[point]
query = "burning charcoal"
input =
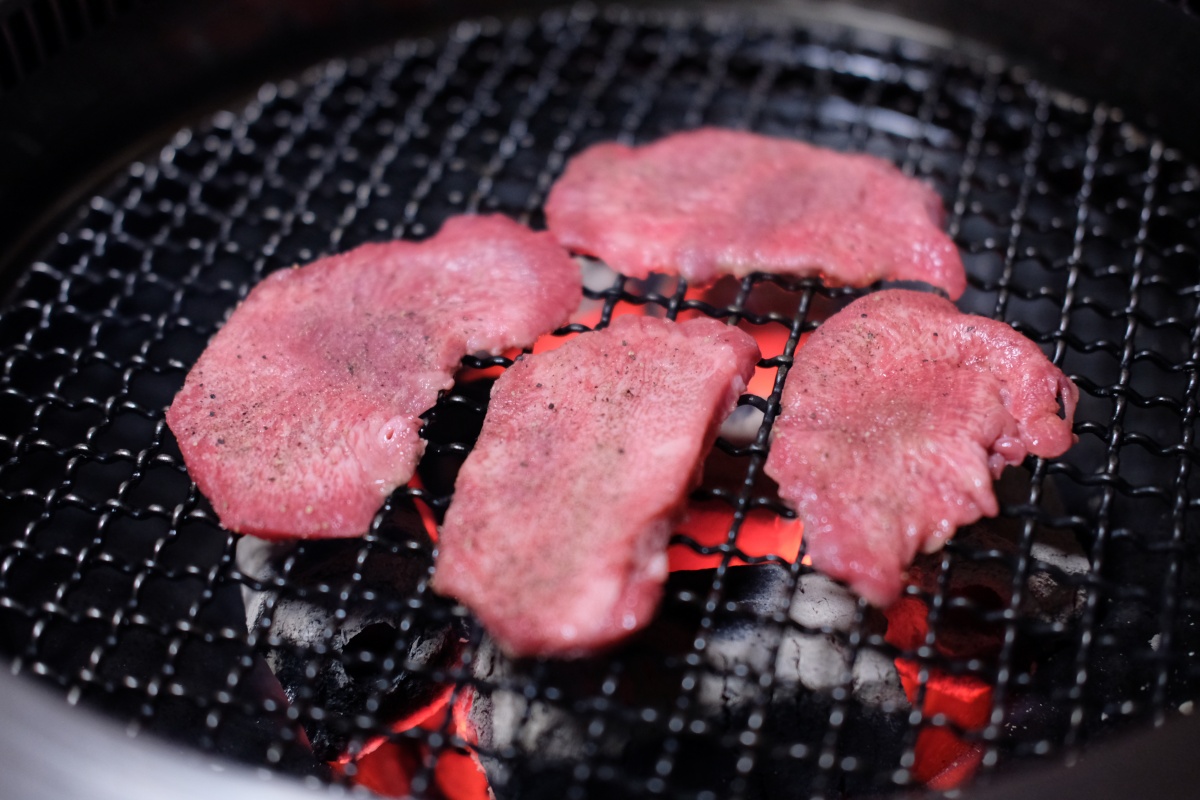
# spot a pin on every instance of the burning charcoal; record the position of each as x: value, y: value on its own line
x: 813, y: 656
x: 1056, y: 600
x: 516, y: 733
x: 1051, y: 595
x: 531, y: 745
x: 820, y: 661
x: 356, y: 644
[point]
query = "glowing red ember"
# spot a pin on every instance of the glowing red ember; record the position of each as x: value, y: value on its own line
x: 707, y: 523
x: 943, y: 758
x: 389, y: 769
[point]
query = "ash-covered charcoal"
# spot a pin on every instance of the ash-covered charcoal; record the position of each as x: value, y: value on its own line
x: 604, y: 722
x: 810, y: 651
x: 357, y: 642
x: 1055, y: 586
x: 530, y: 744
x: 527, y: 745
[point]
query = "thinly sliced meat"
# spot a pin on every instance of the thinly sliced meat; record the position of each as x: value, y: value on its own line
x: 717, y: 202
x: 557, y: 534
x: 302, y: 415
x: 897, y: 414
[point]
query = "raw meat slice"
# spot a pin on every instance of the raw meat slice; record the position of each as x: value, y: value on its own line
x: 557, y: 534
x: 897, y: 414
x: 302, y: 415
x: 717, y: 202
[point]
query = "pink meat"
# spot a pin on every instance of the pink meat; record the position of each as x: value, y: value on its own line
x: 301, y: 416
x: 558, y: 531
x: 897, y: 415
x: 717, y: 202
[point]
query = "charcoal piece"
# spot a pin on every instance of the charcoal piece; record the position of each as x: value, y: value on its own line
x: 1055, y: 586
x: 810, y: 649
x: 542, y: 726
x: 526, y: 745
x: 356, y: 640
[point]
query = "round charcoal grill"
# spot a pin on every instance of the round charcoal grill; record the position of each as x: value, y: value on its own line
x: 1069, y: 621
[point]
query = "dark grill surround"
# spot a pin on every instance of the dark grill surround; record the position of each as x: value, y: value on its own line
x: 117, y: 584
x: 33, y: 31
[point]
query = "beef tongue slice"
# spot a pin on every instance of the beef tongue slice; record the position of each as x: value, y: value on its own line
x: 897, y: 415
x: 302, y: 415
x: 715, y: 202
x: 556, y: 537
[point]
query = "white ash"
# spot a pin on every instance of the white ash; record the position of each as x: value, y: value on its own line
x: 741, y: 427
x: 597, y: 276
x: 508, y: 723
x: 537, y: 721
x: 812, y: 654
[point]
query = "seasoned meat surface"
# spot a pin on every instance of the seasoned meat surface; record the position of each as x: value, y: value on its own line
x: 897, y: 415
x: 302, y: 414
x: 556, y: 537
x: 717, y: 202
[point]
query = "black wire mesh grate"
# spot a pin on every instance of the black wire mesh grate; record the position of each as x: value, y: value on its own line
x: 117, y: 584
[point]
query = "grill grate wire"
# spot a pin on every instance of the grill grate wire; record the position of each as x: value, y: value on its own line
x: 117, y: 584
